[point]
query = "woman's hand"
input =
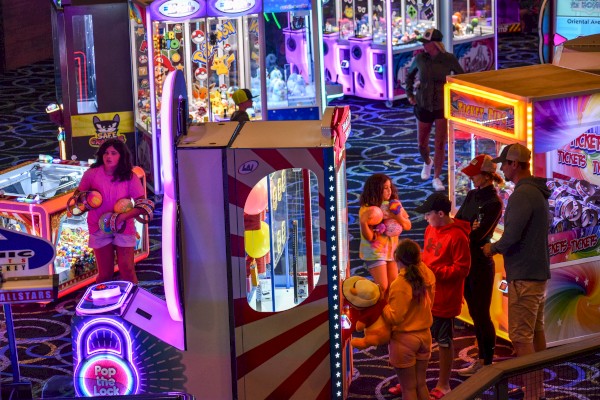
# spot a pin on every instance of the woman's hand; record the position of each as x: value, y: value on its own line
x: 412, y: 100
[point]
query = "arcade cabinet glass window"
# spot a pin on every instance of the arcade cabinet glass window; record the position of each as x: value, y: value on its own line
x: 85, y: 64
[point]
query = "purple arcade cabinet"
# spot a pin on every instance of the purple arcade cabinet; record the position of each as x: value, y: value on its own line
x: 369, y: 44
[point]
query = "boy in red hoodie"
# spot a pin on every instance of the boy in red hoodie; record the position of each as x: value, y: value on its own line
x: 446, y: 253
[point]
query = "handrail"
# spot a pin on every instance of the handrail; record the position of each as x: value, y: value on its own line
x: 497, y: 374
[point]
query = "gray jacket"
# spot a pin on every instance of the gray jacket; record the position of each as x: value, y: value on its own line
x: 524, y: 243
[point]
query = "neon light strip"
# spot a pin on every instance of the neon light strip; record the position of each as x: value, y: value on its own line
x: 169, y: 218
x: 123, y: 330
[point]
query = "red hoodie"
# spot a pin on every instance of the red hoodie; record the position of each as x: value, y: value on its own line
x: 446, y: 253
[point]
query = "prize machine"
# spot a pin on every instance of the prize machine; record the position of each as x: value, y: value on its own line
x: 93, y: 79
x: 472, y: 27
x: 554, y: 112
x: 254, y: 249
x: 34, y: 199
x: 565, y: 20
x: 263, y: 237
x: 368, y: 45
x: 221, y: 47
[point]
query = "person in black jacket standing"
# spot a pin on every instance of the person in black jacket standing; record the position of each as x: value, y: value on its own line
x: 482, y: 208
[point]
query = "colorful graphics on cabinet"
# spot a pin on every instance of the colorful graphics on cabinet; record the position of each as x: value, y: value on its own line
x: 477, y: 55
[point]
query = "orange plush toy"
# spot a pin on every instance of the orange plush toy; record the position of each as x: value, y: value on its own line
x: 366, y: 302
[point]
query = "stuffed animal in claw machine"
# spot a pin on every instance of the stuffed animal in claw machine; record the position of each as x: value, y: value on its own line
x: 366, y: 306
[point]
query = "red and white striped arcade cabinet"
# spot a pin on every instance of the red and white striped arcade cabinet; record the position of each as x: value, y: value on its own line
x: 254, y: 251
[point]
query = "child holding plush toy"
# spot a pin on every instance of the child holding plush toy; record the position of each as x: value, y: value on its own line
x: 376, y: 246
x: 408, y: 312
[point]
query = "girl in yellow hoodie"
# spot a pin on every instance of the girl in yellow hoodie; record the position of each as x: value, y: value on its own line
x: 409, y: 313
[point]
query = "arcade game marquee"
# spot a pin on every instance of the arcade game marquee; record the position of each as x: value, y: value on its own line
x: 240, y: 327
x: 555, y: 112
x: 269, y: 47
x: 33, y: 200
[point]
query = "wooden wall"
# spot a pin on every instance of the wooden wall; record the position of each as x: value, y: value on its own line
x: 25, y: 33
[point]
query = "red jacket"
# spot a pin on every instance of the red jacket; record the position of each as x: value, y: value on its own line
x: 446, y: 253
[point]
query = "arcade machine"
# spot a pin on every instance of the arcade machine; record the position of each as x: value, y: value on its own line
x: 473, y: 32
x: 33, y: 200
x: 509, y: 16
x: 565, y: 20
x: 93, y: 79
x: 369, y: 44
x: 267, y: 47
x: 554, y: 112
x: 235, y: 333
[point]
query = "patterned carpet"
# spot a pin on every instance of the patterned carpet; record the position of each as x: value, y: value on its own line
x: 382, y: 139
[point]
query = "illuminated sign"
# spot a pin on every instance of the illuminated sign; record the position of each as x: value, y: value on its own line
x: 103, y: 360
x: 482, y: 111
x: 24, y: 255
x: 576, y: 18
x: 105, y: 375
x: 178, y: 8
x: 27, y: 296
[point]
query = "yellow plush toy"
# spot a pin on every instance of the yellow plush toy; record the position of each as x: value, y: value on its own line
x: 366, y: 301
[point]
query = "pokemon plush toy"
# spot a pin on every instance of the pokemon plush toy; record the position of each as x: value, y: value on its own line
x: 366, y: 302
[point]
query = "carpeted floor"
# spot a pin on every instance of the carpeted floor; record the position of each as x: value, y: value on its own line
x: 382, y: 139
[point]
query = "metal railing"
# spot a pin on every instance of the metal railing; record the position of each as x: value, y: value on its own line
x: 494, y: 381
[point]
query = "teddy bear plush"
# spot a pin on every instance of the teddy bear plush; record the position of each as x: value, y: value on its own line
x: 366, y: 303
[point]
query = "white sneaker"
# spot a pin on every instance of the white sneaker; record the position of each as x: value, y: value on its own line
x: 438, y: 185
x: 426, y: 171
x: 471, y: 369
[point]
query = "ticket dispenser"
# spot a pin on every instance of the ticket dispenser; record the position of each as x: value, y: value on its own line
x: 112, y: 321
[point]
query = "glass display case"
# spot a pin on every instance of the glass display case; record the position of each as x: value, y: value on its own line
x: 221, y: 47
x: 33, y: 200
x: 474, y: 38
x: 369, y: 44
x: 552, y: 111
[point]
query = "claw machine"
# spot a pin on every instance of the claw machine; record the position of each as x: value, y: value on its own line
x: 222, y: 46
x: 554, y: 112
x: 368, y: 45
x: 255, y: 233
x: 93, y: 78
x: 33, y: 200
x: 471, y: 26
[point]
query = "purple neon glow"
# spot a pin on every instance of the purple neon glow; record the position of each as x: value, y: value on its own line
x: 169, y: 218
x: 177, y: 11
x: 81, y: 366
x: 154, y: 134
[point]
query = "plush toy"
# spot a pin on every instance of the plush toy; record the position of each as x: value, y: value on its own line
x: 366, y: 302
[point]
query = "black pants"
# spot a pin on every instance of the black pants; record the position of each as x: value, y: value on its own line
x: 478, y: 294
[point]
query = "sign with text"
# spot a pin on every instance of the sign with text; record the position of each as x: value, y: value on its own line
x: 24, y: 274
x: 482, y: 111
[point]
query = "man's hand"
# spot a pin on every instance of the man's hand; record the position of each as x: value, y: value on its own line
x: 487, y: 249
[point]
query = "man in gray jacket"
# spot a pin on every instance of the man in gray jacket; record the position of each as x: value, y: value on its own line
x: 524, y: 245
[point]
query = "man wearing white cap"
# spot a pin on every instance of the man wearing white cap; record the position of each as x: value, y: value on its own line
x: 524, y: 245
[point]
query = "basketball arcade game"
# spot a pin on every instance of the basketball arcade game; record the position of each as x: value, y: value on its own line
x: 218, y: 47
x: 554, y: 112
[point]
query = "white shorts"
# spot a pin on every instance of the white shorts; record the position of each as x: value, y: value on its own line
x: 100, y: 239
